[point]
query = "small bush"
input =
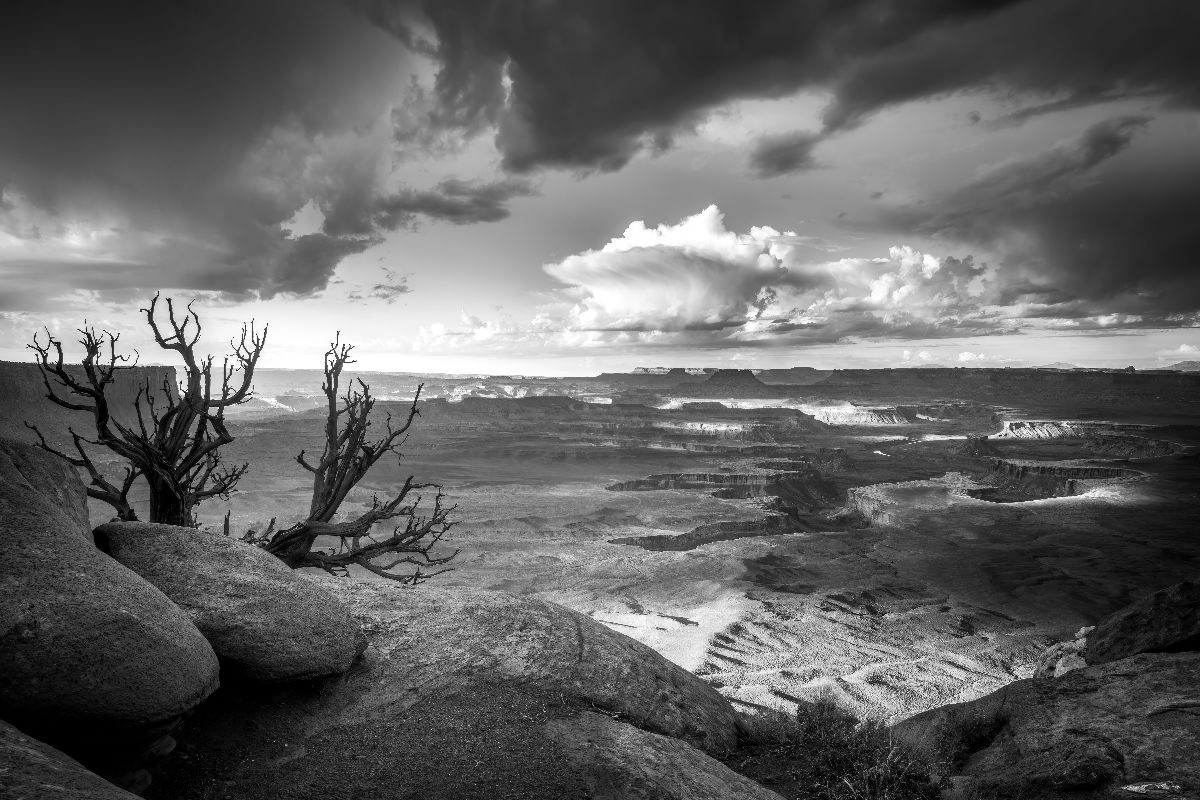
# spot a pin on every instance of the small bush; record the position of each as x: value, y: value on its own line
x: 824, y: 753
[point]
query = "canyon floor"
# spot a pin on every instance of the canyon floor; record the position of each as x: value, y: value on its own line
x: 793, y: 542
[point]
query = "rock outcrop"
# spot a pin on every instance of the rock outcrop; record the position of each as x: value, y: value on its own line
x: 1166, y: 621
x: 23, y: 398
x: 87, y: 648
x: 430, y: 639
x: 1094, y: 729
x: 1064, y: 657
x: 854, y: 415
x: 41, y: 493
x: 455, y: 692
x: 35, y: 771
x: 260, y: 617
x: 621, y: 762
x: 734, y: 377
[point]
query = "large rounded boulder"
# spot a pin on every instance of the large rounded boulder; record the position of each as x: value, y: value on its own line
x: 618, y: 761
x: 429, y: 639
x: 87, y: 648
x: 459, y: 695
x: 39, y: 772
x: 262, y: 620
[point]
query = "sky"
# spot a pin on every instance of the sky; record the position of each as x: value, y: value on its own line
x: 564, y: 187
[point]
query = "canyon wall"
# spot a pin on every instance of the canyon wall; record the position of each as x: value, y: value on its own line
x: 1017, y: 383
x: 23, y: 399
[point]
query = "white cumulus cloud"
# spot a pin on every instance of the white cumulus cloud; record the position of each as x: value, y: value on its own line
x: 693, y: 275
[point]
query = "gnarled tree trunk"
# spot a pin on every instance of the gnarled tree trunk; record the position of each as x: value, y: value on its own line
x: 175, y: 444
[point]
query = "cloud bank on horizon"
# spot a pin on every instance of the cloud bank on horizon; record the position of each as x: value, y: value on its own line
x: 154, y: 146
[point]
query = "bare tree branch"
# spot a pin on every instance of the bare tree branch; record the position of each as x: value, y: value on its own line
x: 347, y: 456
x: 174, y: 440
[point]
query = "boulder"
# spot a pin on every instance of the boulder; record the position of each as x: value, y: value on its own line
x: 41, y: 491
x: 429, y: 639
x: 37, y: 771
x: 88, y: 649
x: 1166, y: 621
x: 1094, y: 729
x: 620, y: 762
x: 262, y: 620
x: 451, y: 699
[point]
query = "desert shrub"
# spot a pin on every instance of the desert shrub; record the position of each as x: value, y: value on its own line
x: 823, y: 752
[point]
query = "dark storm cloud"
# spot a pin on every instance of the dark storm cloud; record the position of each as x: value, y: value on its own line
x: 592, y: 83
x: 306, y: 263
x: 1074, y: 51
x: 1082, y: 230
x: 181, y: 137
x: 455, y: 201
x: 783, y: 154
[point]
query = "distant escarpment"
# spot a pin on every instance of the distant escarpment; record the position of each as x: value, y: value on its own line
x: 574, y: 430
x: 23, y: 398
x: 1060, y: 429
x: 729, y: 383
x: 1097, y: 391
x: 1016, y: 481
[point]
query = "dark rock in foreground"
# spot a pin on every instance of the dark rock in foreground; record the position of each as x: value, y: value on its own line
x: 261, y: 618
x: 1166, y: 621
x: 621, y: 762
x: 35, y: 771
x: 452, y: 699
x: 1094, y: 729
x: 433, y: 639
x: 89, y: 649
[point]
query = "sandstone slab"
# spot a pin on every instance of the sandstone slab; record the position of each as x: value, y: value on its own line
x: 41, y: 490
x: 35, y: 771
x: 87, y: 647
x: 260, y: 617
x: 1095, y: 729
x: 1166, y: 621
x: 451, y: 700
x: 620, y: 762
x: 429, y: 639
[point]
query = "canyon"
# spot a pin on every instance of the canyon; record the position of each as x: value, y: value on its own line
x: 893, y: 540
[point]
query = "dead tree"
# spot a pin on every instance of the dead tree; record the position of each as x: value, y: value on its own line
x: 404, y: 553
x: 175, y: 444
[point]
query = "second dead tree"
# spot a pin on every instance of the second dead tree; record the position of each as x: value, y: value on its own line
x: 401, y: 554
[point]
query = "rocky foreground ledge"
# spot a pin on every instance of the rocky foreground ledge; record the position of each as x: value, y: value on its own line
x: 113, y: 644
x: 111, y: 657
x: 1114, y: 713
